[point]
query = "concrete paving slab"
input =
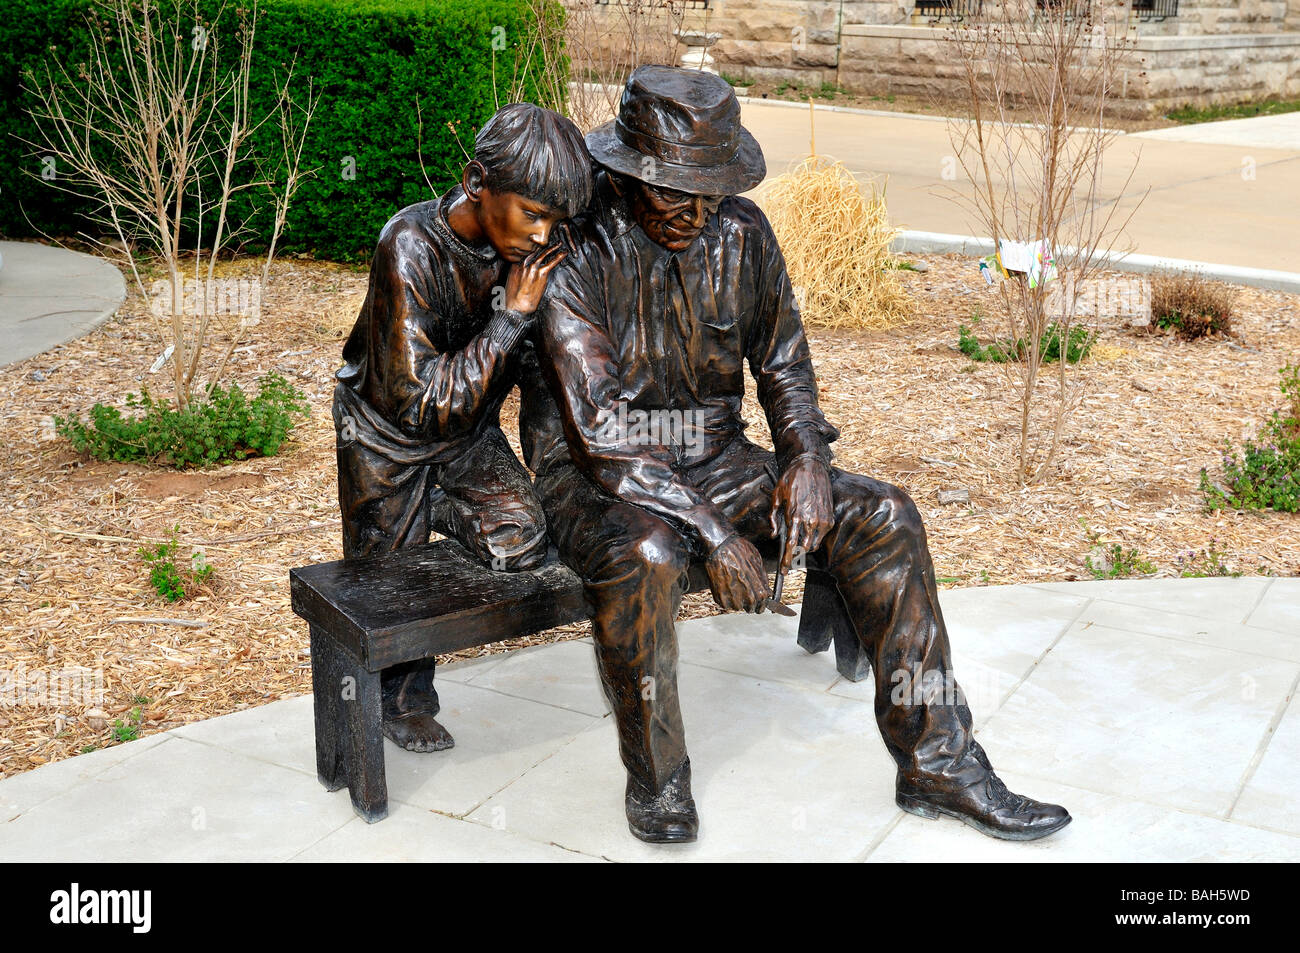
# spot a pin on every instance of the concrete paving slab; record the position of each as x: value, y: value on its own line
x: 49, y: 295
x: 498, y: 738
x: 1225, y: 599
x: 1105, y: 828
x: 777, y: 773
x: 424, y: 837
x: 24, y: 791
x: 998, y: 633
x: 563, y: 675
x: 1259, y: 132
x: 1193, y: 628
x: 179, y: 801
x: 1160, y: 720
x: 1279, y: 609
x: 765, y: 647
x: 1170, y: 744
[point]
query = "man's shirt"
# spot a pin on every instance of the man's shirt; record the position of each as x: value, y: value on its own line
x: 425, y: 366
x: 629, y: 329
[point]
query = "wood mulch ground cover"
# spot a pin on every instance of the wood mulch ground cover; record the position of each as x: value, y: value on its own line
x: 911, y: 408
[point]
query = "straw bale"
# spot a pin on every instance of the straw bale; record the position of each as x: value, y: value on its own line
x: 836, y: 242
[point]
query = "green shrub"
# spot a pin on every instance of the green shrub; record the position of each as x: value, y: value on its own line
x: 1266, y: 475
x: 1114, y: 562
x: 1204, y: 563
x: 370, y: 60
x: 128, y: 730
x: 1079, y: 342
x: 224, y: 427
x: 169, y: 580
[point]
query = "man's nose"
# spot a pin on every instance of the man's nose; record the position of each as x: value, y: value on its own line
x: 540, y: 235
x: 695, y: 212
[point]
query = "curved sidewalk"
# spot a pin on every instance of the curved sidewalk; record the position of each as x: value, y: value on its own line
x: 1229, y: 196
x: 1160, y: 712
x: 49, y: 295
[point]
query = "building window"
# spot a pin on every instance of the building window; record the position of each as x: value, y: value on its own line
x: 1155, y: 9
x: 1070, y: 8
x: 954, y: 10
x: 650, y: 7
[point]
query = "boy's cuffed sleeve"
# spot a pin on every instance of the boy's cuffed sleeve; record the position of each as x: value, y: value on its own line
x: 433, y: 395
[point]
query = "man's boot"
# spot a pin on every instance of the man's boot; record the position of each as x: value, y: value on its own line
x: 665, y: 817
x: 985, y: 805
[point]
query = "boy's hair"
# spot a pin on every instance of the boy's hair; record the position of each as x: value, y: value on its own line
x: 538, y: 154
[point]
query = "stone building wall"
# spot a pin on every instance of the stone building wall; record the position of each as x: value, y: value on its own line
x: 1219, y: 17
x: 1214, y: 51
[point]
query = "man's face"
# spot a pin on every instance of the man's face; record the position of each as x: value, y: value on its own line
x: 671, y: 218
x: 515, y: 226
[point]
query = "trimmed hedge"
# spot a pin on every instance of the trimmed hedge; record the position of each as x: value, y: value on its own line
x: 369, y: 59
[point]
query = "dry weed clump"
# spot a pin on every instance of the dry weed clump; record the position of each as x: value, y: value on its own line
x: 836, y: 244
x: 1191, y: 304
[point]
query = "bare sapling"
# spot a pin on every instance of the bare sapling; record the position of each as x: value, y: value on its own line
x: 148, y: 140
x: 1038, y: 180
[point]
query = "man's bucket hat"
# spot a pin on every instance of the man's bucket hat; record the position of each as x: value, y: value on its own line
x: 680, y: 129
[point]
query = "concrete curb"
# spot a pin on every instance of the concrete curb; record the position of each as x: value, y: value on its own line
x: 940, y: 243
x: 885, y: 113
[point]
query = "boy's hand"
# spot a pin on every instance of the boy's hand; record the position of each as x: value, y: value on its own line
x: 526, y: 282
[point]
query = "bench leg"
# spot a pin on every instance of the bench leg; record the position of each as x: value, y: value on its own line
x: 349, y: 735
x: 824, y: 620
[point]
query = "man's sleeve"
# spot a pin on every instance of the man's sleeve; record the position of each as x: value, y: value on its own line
x: 581, y: 366
x: 780, y: 362
x: 433, y: 395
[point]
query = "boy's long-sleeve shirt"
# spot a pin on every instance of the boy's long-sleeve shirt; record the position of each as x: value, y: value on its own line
x: 428, y: 357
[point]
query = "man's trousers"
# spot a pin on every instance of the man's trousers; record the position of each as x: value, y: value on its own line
x: 633, y: 565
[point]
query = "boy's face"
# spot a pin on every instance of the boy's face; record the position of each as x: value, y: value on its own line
x: 515, y: 226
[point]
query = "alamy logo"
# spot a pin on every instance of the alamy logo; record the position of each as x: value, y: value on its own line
x: 634, y: 427
x: 103, y: 906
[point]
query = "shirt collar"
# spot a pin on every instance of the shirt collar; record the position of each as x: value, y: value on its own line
x: 458, y: 245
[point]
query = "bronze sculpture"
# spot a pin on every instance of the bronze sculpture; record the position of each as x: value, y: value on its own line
x: 454, y: 284
x: 672, y: 283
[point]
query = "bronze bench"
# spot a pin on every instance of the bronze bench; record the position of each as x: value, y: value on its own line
x: 368, y: 614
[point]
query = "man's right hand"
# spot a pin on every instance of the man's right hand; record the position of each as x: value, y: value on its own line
x: 526, y: 282
x: 737, y: 577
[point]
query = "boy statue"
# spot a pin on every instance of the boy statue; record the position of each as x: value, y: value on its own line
x: 454, y: 285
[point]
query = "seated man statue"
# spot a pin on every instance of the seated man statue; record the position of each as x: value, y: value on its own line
x: 435, y: 350
x: 672, y: 285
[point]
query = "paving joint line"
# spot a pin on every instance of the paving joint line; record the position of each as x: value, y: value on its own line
x: 1262, y: 747
x: 1262, y: 593
x: 1042, y: 655
x: 880, y: 836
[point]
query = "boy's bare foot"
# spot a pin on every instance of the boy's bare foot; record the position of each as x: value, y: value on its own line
x: 418, y: 731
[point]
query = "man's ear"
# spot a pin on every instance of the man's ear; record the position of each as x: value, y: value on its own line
x: 618, y: 184
x: 472, y: 180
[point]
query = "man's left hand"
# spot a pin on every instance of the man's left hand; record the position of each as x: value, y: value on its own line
x: 803, y: 501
